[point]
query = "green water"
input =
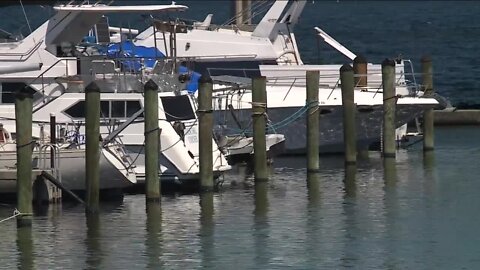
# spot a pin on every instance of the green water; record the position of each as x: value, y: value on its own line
x: 418, y: 214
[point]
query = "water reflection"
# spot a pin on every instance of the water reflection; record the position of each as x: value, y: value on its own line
x: 261, y: 226
x: 390, y: 213
x: 429, y: 160
x: 92, y: 242
x: 25, y: 248
x: 349, y: 258
x: 313, y: 188
x: 350, y: 186
x: 207, y: 228
x: 153, y: 239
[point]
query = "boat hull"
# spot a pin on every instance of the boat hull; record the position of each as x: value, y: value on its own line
x: 72, y: 168
x: 368, y: 118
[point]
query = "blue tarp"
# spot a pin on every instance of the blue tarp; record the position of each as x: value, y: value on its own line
x: 128, y: 49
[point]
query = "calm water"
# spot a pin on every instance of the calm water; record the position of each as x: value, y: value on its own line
x: 419, y: 214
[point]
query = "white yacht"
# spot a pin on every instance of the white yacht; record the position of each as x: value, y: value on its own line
x: 270, y: 49
x: 68, y: 163
x: 50, y: 62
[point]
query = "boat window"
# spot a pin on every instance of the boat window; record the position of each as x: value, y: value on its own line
x: 104, y: 109
x: 77, y: 110
x: 108, y: 109
x: 177, y: 108
x: 133, y: 107
x: 8, y: 91
x: 118, y: 109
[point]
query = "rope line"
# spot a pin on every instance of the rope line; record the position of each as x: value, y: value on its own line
x: 16, y: 213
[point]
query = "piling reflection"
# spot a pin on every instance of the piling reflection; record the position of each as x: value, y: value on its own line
x: 389, y: 173
x: 153, y: 239
x: 92, y: 242
x: 25, y: 248
x: 350, y: 186
x: 313, y: 228
x: 349, y: 258
x: 261, y: 226
x: 207, y: 228
x: 429, y: 160
x: 390, y: 179
x: 313, y: 189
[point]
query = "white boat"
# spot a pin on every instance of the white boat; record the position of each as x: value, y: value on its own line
x: 239, y: 148
x: 68, y: 164
x: 65, y: 70
x: 270, y: 49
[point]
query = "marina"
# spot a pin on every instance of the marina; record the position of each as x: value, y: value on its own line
x: 182, y: 143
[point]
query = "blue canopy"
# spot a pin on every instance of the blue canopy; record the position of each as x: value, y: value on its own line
x: 127, y: 49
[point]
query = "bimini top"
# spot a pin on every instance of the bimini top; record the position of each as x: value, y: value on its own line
x: 120, y: 9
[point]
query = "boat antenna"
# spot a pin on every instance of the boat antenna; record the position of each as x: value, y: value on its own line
x: 26, y: 18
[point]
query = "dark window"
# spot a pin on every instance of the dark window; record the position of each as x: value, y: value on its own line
x: 8, y: 91
x: 177, y: 108
x: 104, y: 109
x: 132, y: 107
x: 118, y: 109
x: 77, y: 110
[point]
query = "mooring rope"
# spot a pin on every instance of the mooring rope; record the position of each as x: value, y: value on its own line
x: 16, y: 213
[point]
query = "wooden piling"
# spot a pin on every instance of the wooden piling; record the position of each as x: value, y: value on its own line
x: 349, y: 111
x: 23, y: 122
x: 427, y: 82
x: 389, y: 108
x: 152, y: 138
x: 92, y: 132
x: 360, y: 71
x: 53, y: 138
x: 313, y: 116
x: 259, y: 108
x: 205, y: 119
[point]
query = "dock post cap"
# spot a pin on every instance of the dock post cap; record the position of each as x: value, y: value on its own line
x: 360, y: 59
x: 426, y: 58
x: 388, y: 62
x: 24, y: 92
x: 346, y: 68
x: 205, y: 79
x: 150, y: 85
x: 92, y: 87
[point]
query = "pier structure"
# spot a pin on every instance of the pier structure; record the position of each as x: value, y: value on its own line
x: 349, y: 108
x: 92, y: 159
x: 313, y: 118
x: 205, y: 119
x: 389, y: 109
x: 259, y: 109
x: 152, y: 140
x: 428, y: 116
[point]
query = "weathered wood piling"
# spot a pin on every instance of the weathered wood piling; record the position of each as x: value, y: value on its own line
x: 92, y: 144
x: 23, y: 122
x: 313, y: 116
x: 259, y: 108
x: 53, y: 138
x: 428, y: 117
x: 349, y: 112
x: 389, y: 108
x: 205, y: 119
x: 360, y: 69
x: 152, y: 138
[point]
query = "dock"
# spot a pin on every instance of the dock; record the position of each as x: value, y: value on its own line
x: 457, y: 117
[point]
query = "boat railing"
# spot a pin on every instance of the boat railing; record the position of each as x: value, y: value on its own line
x: 46, y: 157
